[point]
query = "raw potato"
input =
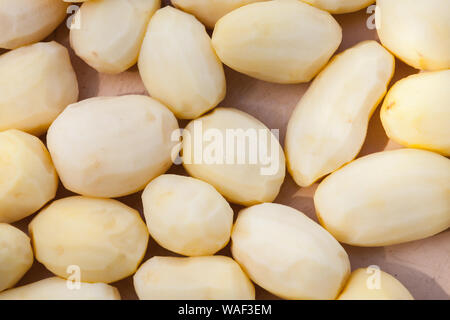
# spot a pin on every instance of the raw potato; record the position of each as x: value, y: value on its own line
x: 416, y: 111
x: 59, y: 289
x: 186, y: 215
x: 386, y: 198
x: 277, y: 41
x: 23, y: 22
x: 372, y: 284
x: 416, y: 31
x: 340, y: 6
x: 288, y: 254
x: 197, y: 278
x: 236, y: 154
x: 112, y: 146
x: 329, y: 124
x: 36, y: 83
x: 178, y: 65
x: 28, y: 179
x: 111, y: 32
x: 16, y: 255
x: 104, y: 238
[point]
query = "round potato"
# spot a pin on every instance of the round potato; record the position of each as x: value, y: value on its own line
x: 197, y: 278
x: 112, y: 146
x: 340, y: 6
x: 16, y: 255
x: 104, y: 238
x: 288, y: 254
x: 28, y: 178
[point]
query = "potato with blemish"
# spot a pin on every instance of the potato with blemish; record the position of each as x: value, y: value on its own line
x: 340, y: 6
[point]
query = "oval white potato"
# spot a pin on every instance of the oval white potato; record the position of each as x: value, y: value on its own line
x: 340, y: 6
x: 416, y: 31
x: 329, y: 125
x: 28, y: 178
x: 288, y: 254
x: 59, y: 289
x: 16, y: 255
x: 24, y: 22
x: 196, y: 278
x: 112, y: 146
x: 416, y: 111
x: 110, y: 32
x: 373, y: 284
x: 179, y: 66
x: 36, y: 83
x: 104, y: 238
x: 186, y: 215
x: 386, y: 198
x: 277, y: 41
x: 235, y: 153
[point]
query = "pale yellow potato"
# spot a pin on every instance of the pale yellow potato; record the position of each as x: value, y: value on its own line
x: 16, y: 255
x: 104, y: 238
x: 111, y: 32
x: 386, y: 198
x: 416, y: 111
x: 28, y: 179
x: 58, y: 289
x: 340, y: 6
x: 277, y: 41
x: 186, y: 215
x: 36, y: 83
x: 372, y: 284
x: 23, y: 22
x: 235, y: 153
x: 195, y: 278
x: 112, y: 146
x: 329, y: 125
x: 416, y: 31
x: 179, y: 66
x: 288, y: 254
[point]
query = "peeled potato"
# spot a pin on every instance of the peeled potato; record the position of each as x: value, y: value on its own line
x: 178, y: 65
x: 111, y: 32
x: 277, y: 41
x: 236, y: 154
x: 186, y: 215
x: 340, y: 6
x: 58, y: 289
x: 288, y: 254
x: 386, y: 198
x: 416, y: 111
x: 416, y: 31
x: 112, y: 146
x: 16, y: 255
x: 36, y: 83
x: 329, y: 124
x: 28, y: 178
x: 367, y: 284
x: 197, y: 278
x: 23, y: 22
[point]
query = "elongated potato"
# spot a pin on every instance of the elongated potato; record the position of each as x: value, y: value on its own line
x: 288, y: 254
x: 236, y: 154
x: 58, y: 289
x: 386, y: 198
x: 16, y: 255
x: 197, y: 278
x: 277, y: 41
x: 186, y: 215
x: 36, y: 83
x: 104, y: 238
x: 111, y: 32
x: 340, y: 6
x: 329, y: 124
x: 416, y: 111
x: 28, y: 178
x: 24, y: 22
x: 416, y: 31
x: 373, y: 284
x: 178, y: 65
x: 112, y: 146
